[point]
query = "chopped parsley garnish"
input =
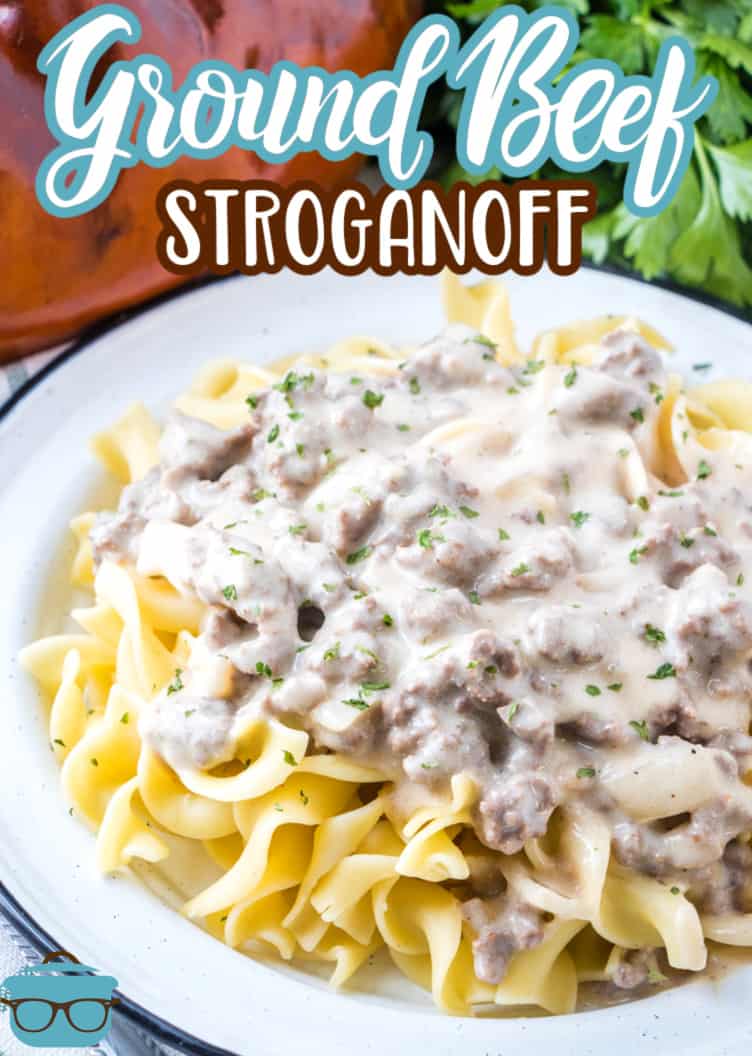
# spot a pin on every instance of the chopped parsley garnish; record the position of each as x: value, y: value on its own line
x: 62, y: 743
x: 300, y: 448
x: 740, y: 580
x: 239, y: 553
x: 125, y: 718
x: 703, y: 470
x: 533, y: 366
x: 469, y: 512
x: 686, y: 541
x: 440, y: 511
x: 261, y: 493
x: 177, y: 683
x: 289, y: 757
x: 357, y: 703
x: 512, y: 710
x: 481, y: 339
x: 643, y: 503
x: 359, y: 555
x: 566, y: 483
x: 671, y: 494
x: 252, y: 402
x: 403, y: 428
x: 586, y: 771
x: 623, y: 452
x: 540, y: 517
x: 329, y: 587
x: 373, y: 399
x: 333, y: 653
x: 674, y: 890
x: 636, y: 554
x: 638, y: 414
x: 414, y: 386
x: 474, y: 597
x: 503, y: 535
x: 295, y: 416
x: 701, y: 366
x: 292, y: 379
x: 273, y: 434
x: 356, y: 381
x: 263, y: 669
x: 297, y: 529
x: 656, y: 391
x: 374, y: 687
x: 592, y: 691
x: 708, y: 530
x: 666, y: 670
x: 426, y: 538
x: 387, y: 620
x: 520, y: 570
x: 640, y: 727
x: 230, y: 592
x: 654, y: 634
x: 615, y: 687
x: 570, y: 377
x: 511, y: 391
x: 578, y: 518
x: 429, y: 766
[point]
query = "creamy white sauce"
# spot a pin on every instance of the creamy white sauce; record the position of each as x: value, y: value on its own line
x: 489, y: 579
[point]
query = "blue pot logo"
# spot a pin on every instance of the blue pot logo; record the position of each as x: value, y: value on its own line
x: 59, y: 1002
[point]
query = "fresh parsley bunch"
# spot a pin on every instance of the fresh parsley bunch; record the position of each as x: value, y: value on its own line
x: 704, y: 237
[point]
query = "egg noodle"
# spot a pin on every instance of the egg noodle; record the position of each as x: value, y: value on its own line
x: 314, y: 862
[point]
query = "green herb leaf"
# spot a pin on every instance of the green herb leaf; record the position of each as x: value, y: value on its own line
x: 373, y: 399
x: 177, y: 683
x: 654, y: 634
x: 359, y: 555
x: 641, y: 728
x: 357, y: 703
x: 666, y: 670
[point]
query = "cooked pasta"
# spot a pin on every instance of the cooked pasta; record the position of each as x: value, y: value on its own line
x: 443, y: 650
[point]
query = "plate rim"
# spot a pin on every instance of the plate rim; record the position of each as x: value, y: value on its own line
x: 37, y: 937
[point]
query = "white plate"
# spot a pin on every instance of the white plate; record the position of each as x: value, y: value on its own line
x: 167, y: 967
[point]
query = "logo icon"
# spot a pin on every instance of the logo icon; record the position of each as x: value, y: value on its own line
x: 62, y: 1003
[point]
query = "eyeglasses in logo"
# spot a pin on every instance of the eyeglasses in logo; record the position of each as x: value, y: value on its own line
x: 62, y: 1003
